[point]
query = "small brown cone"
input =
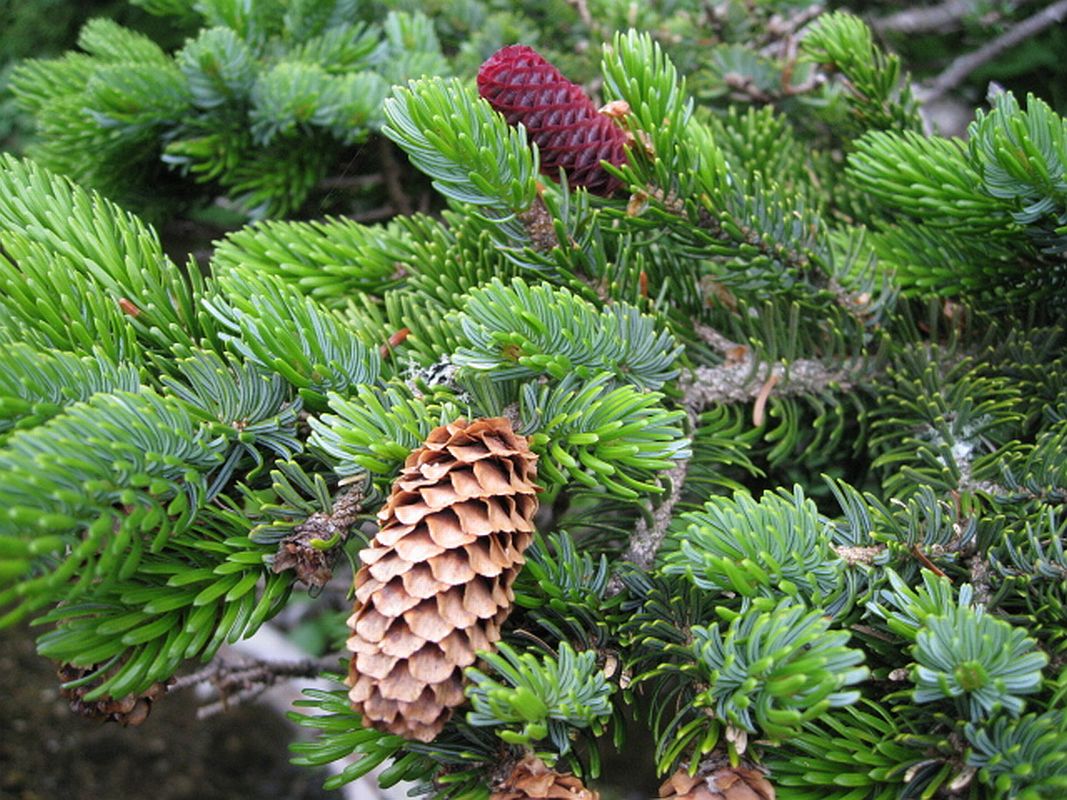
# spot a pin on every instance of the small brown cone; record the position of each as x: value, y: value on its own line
x: 532, y: 779
x: 133, y: 709
x: 435, y: 585
x: 717, y: 781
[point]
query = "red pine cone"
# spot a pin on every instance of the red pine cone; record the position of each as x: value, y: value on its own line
x: 557, y: 114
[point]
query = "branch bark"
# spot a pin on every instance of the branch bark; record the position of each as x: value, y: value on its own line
x: 398, y: 198
x: 958, y: 71
x: 739, y: 379
x: 646, y: 539
x: 940, y: 18
x: 238, y: 683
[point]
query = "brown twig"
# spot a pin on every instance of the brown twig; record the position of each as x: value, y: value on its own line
x: 646, y: 539
x: 925, y: 561
x: 957, y: 72
x: 941, y: 18
x: 398, y: 198
x: 238, y: 683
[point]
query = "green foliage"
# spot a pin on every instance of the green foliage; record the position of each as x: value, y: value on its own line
x: 601, y: 437
x: 851, y: 753
x: 775, y: 670
x: 780, y: 545
x: 564, y: 591
x: 46, y: 221
x: 637, y: 71
x: 36, y: 385
x: 1005, y: 183
x: 965, y: 653
x: 328, y: 260
x: 259, y: 105
x: 1022, y: 758
x: 798, y: 395
x: 251, y: 411
x: 515, y: 332
x: 270, y: 323
x: 342, y: 734
x: 878, y: 96
x: 374, y: 430
x: 60, y: 518
x: 545, y: 698
x: 470, y: 152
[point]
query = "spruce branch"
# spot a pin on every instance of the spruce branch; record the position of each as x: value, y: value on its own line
x: 958, y: 71
x: 940, y: 18
x: 741, y: 378
x: 647, y: 538
x: 237, y: 682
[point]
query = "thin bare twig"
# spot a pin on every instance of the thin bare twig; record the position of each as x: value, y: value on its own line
x: 957, y: 72
x: 240, y: 682
x: 398, y: 198
x: 941, y: 18
x: 646, y: 540
x: 582, y: 7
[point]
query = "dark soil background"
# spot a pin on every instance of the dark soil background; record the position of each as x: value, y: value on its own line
x: 48, y: 753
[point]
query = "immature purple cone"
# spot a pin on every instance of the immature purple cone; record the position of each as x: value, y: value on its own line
x: 558, y: 115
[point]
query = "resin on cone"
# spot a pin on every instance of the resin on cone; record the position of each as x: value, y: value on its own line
x: 532, y: 779
x: 435, y: 585
x: 557, y: 115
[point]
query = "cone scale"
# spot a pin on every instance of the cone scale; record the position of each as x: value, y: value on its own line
x: 435, y: 584
x: 718, y: 781
x: 532, y: 779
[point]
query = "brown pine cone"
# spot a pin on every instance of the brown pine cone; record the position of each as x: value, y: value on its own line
x: 133, y: 709
x: 532, y: 779
x: 435, y: 585
x: 718, y: 781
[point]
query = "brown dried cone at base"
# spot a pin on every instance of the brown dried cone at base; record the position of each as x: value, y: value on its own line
x: 532, y: 779
x: 133, y: 709
x: 435, y: 585
x: 717, y: 780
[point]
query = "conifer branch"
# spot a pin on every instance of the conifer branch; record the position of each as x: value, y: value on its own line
x: 941, y: 18
x: 743, y: 379
x: 739, y: 379
x: 957, y: 72
x: 242, y: 681
x: 646, y: 539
